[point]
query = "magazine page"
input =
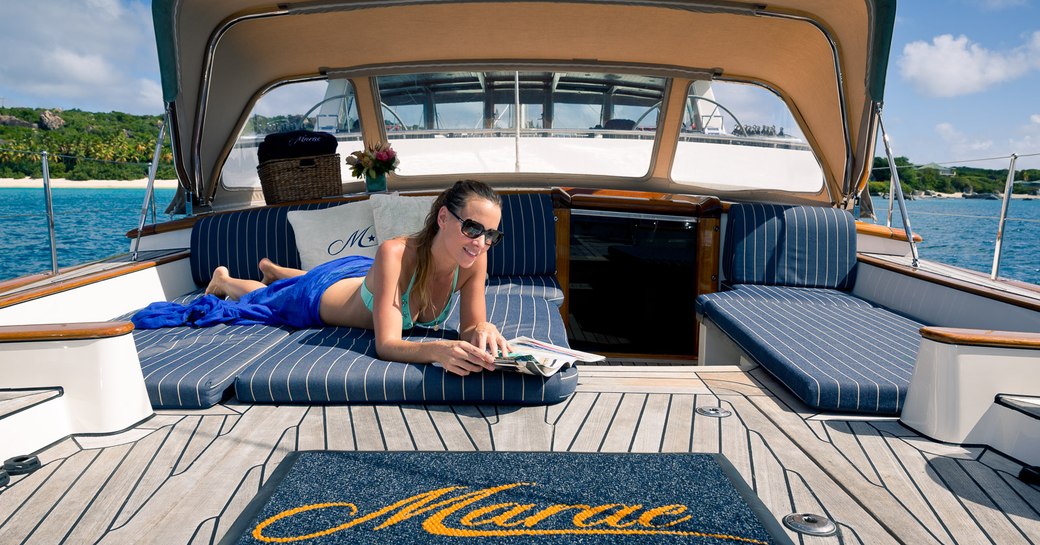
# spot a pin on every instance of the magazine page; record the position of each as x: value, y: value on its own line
x: 532, y: 356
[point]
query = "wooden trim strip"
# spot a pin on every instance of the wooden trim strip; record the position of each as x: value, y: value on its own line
x: 563, y: 260
x: 1003, y: 297
x: 65, y: 332
x: 78, y: 282
x: 641, y: 202
x: 982, y: 337
x: 874, y: 230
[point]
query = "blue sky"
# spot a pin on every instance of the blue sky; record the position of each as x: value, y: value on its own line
x: 962, y: 84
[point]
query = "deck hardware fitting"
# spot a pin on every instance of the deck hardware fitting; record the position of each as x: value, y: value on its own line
x: 5, y: 478
x: 714, y: 412
x: 21, y: 465
x: 810, y: 524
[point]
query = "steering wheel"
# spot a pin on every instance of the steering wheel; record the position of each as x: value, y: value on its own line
x: 718, y: 105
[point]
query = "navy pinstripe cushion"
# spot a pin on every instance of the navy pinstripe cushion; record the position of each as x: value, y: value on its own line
x: 529, y: 247
x: 186, y: 368
x: 801, y: 246
x: 832, y: 353
x: 340, y: 365
x: 784, y: 294
x: 545, y: 287
x: 240, y: 239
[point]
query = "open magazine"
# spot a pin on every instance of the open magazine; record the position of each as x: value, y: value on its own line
x: 536, y: 357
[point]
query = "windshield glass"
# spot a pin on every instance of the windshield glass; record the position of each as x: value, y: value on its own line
x: 326, y: 105
x: 560, y: 122
x: 739, y: 136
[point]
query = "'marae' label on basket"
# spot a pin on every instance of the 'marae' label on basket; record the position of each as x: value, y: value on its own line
x: 505, y: 497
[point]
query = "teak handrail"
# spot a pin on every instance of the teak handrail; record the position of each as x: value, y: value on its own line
x: 982, y: 337
x: 65, y: 332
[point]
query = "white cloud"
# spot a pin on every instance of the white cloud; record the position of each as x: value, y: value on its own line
x: 959, y: 144
x: 949, y: 67
x: 96, y: 55
x: 1035, y: 118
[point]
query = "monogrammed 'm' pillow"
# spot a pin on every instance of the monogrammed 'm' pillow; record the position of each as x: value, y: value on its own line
x: 339, y: 231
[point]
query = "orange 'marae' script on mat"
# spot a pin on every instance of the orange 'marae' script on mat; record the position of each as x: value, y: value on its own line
x: 477, y: 517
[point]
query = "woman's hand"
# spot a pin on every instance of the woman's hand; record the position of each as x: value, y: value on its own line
x: 485, y: 336
x: 463, y: 358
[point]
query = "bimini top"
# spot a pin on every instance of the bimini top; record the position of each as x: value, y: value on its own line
x: 825, y: 60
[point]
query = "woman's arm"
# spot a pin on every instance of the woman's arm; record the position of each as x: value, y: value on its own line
x: 473, y: 324
x: 384, y: 281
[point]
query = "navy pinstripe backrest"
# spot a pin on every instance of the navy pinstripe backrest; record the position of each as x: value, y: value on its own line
x: 801, y: 246
x: 529, y: 247
x: 238, y: 240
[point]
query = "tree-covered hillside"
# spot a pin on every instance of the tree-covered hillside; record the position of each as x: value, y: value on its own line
x: 947, y: 178
x: 81, y: 145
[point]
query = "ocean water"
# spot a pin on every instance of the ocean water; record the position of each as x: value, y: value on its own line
x: 963, y: 232
x: 91, y: 224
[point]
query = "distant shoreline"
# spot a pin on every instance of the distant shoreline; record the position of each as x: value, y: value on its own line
x: 29, y: 183
x: 957, y: 196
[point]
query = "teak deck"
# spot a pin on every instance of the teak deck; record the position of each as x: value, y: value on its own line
x: 183, y: 477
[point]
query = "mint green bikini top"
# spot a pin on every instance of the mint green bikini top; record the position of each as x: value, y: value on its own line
x: 406, y: 311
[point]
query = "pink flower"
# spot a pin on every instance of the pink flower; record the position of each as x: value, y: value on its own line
x: 383, y: 155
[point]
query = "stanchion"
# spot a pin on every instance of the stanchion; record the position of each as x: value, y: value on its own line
x: 50, y: 213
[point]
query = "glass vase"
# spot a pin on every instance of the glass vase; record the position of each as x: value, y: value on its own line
x: 375, y: 183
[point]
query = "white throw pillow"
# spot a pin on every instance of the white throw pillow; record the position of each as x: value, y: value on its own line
x: 397, y: 214
x: 331, y: 233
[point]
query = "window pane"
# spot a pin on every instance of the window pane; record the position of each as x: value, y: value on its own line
x: 580, y: 123
x: 327, y: 106
x: 739, y: 136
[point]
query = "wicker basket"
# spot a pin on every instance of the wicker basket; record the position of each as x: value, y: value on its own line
x: 301, y: 178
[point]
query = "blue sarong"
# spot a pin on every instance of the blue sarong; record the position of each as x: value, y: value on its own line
x: 293, y: 302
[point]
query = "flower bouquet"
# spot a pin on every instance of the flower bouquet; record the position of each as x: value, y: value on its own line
x: 373, y: 163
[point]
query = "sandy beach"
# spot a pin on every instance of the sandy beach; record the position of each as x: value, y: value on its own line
x: 87, y: 184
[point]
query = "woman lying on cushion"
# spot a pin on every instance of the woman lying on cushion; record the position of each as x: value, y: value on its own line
x: 411, y: 281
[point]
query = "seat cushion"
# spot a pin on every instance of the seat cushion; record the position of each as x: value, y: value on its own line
x: 544, y: 286
x: 783, y: 294
x: 189, y: 368
x: 802, y: 246
x: 832, y: 352
x: 340, y: 365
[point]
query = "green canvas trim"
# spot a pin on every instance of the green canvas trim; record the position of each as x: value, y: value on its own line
x: 163, y: 20
x: 884, y: 23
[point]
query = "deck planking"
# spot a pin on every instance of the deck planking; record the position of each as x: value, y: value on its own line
x: 184, y: 477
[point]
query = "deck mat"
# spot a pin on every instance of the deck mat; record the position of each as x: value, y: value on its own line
x: 323, y: 498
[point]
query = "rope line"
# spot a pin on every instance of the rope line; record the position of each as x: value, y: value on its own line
x: 995, y: 218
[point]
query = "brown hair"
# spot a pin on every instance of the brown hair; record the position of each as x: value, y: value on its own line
x: 455, y: 198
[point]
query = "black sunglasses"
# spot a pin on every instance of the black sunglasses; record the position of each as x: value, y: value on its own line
x: 473, y: 229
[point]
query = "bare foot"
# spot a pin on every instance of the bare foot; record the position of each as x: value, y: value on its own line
x: 217, y: 283
x: 269, y: 271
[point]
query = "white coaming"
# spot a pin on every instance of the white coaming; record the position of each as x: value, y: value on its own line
x: 102, y: 301
x: 103, y: 390
x: 952, y: 391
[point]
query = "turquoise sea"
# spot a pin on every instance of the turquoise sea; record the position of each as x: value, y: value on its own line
x: 92, y: 223
x: 89, y: 224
